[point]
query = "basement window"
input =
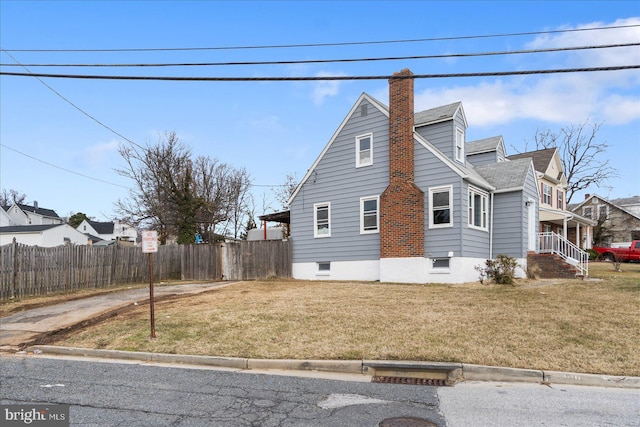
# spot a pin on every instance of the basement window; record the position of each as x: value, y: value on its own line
x: 324, y: 268
x: 440, y: 265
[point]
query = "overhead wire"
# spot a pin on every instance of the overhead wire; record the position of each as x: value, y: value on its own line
x: 311, y: 45
x: 324, y: 78
x: 343, y: 60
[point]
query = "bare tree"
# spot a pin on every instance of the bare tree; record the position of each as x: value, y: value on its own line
x: 161, y: 175
x: 178, y: 196
x: 284, y: 191
x: 9, y: 197
x: 581, y: 154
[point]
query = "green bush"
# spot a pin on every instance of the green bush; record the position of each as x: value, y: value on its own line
x: 593, y: 255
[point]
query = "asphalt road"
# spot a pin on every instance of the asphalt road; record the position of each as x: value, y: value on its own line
x: 133, y: 394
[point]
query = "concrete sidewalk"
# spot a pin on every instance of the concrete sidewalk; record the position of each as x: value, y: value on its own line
x: 23, y: 327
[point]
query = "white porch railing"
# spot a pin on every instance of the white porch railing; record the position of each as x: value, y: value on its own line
x: 553, y: 243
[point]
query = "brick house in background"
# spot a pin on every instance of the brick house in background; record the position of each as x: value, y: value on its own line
x: 615, y: 224
x: 395, y: 197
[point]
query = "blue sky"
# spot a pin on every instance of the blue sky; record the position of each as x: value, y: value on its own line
x: 277, y: 128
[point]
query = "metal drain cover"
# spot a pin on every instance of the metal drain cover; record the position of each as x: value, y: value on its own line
x: 409, y: 380
x: 406, y: 422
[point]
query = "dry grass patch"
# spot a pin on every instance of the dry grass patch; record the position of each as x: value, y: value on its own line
x: 579, y: 326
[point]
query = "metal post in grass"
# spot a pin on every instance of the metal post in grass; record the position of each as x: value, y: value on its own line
x: 150, y: 246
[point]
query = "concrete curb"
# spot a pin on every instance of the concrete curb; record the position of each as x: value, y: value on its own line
x: 457, y: 371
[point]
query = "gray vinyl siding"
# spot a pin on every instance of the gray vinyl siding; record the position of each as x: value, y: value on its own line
x: 510, y: 235
x: 337, y: 180
x: 476, y: 242
x: 440, y: 135
x: 443, y: 135
x: 482, y: 159
x: 432, y: 172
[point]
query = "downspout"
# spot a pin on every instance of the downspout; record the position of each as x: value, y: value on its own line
x: 491, y: 228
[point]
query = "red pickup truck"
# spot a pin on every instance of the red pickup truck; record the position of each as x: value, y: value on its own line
x: 632, y: 253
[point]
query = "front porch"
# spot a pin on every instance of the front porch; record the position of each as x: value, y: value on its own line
x: 573, y: 227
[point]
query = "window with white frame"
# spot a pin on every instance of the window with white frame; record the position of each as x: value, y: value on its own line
x: 560, y: 200
x: 546, y: 194
x: 441, y: 214
x: 440, y: 264
x: 587, y: 212
x: 364, y: 150
x: 478, y: 207
x: 369, y: 215
x: 322, y: 220
x: 459, y: 145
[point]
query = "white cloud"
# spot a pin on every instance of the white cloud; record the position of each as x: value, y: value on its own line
x: 323, y: 89
x: 610, y: 96
x: 98, y: 154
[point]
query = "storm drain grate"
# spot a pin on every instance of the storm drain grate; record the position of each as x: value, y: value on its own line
x: 411, y: 381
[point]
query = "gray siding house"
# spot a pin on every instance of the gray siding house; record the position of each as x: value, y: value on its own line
x: 399, y: 196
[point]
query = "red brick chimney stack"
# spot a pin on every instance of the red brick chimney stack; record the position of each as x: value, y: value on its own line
x: 402, y: 203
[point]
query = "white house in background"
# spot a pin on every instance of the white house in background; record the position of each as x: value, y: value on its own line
x: 21, y: 214
x: 5, y: 219
x: 109, y: 231
x: 43, y: 235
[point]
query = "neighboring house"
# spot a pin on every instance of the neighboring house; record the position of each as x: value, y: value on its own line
x: 554, y: 215
x: 631, y: 204
x: 615, y: 224
x: 402, y: 197
x: 5, y: 219
x: 46, y: 235
x: 21, y: 214
x: 109, y: 231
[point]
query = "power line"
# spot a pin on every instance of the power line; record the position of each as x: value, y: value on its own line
x: 320, y: 61
x: 61, y: 168
x: 75, y: 106
x: 324, y: 78
x: 308, y: 45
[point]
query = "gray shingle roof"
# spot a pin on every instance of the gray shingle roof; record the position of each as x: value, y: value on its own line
x: 27, y: 228
x: 102, y: 227
x: 436, y: 114
x: 40, y: 211
x: 483, y: 145
x: 506, y: 175
x: 541, y: 158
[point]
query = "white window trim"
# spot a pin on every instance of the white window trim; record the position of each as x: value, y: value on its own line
x: 358, y: 139
x: 544, y: 194
x: 432, y: 190
x: 586, y: 209
x: 315, y: 219
x: 459, y: 145
x: 323, y: 272
x: 440, y: 270
x: 362, y: 200
x: 604, y: 208
x: 485, y: 198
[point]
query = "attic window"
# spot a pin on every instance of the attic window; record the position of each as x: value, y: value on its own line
x: 364, y: 150
x: 459, y: 145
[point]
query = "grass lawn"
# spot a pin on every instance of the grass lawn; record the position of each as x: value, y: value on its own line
x: 568, y: 325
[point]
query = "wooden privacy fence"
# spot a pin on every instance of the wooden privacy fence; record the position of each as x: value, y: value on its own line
x: 31, y: 270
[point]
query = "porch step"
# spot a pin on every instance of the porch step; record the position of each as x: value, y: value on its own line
x: 552, y: 266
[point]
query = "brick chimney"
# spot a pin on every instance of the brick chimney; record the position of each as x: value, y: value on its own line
x: 402, y: 203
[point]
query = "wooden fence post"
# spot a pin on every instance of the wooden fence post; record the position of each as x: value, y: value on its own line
x: 14, y: 284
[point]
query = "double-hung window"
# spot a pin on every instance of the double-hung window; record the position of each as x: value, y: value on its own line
x: 322, y: 220
x: 369, y: 215
x: 364, y: 150
x: 459, y: 145
x: 587, y: 212
x: 546, y: 194
x: 478, y: 203
x: 441, y: 214
x: 560, y: 200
